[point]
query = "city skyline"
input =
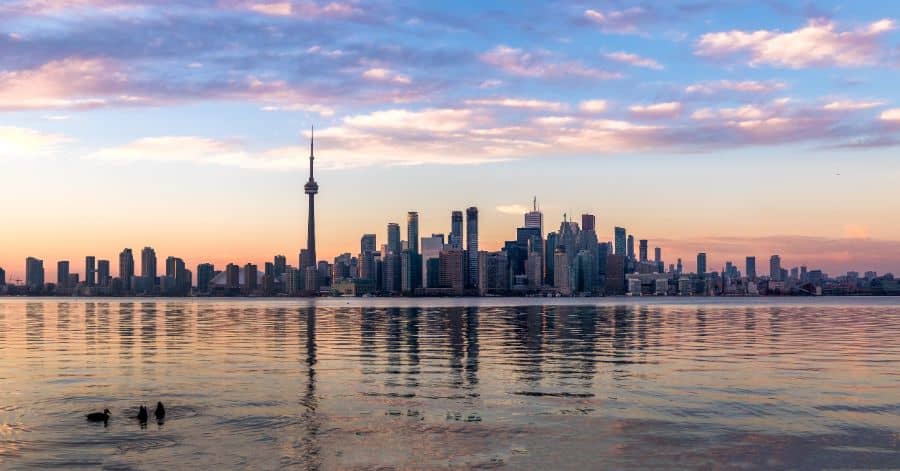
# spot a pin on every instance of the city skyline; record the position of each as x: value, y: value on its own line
x: 531, y: 218
x: 713, y: 127
x: 815, y: 248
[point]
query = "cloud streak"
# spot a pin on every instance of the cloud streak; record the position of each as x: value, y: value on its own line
x: 818, y: 44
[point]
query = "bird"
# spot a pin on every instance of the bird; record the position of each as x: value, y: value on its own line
x: 99, y: 416
x: 160, y: 411
x: 142, y: 414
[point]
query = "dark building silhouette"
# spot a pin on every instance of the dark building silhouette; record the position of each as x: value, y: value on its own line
x: 311, y: 188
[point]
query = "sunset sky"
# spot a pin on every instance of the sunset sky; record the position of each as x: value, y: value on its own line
x: 732, y: 127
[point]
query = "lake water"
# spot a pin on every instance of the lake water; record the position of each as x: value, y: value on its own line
x: 452, y: 383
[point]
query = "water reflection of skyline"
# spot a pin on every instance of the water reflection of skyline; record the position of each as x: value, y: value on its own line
x: 318, y: 376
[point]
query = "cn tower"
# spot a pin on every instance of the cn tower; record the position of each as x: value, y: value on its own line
x: 311, y: 188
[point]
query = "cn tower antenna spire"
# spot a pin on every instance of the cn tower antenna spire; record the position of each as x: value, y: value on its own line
x: 312, y: 139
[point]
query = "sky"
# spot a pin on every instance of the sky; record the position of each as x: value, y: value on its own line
x: 731, y: 127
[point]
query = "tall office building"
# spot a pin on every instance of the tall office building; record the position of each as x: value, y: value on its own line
x: 643, y: 247
x: 393, y: 237
x: 176, y: 272
x: 750, y: 268
x: 453, y: 274
x: 657, y: 254
x: 90, y: 270
x: 126, y: 268
x: 409, y: 258
x: 630, y: 247
x: 412, y: 231
x: 775, y: 268
x: 232, y: 277
x: 550, y: 257
x: 367, y: 251
x: 472, y: 245
x: 2, y: 277
x: 367, y: 243
x: 562, y: 276
x: 251, y: 278
x: 205, y: 273
x: 34, y: 273
x: 280, y: 265
x: 588, y: 222
x: 431, y: 250
x: 455, y: 241
x: 701, y: 263
x: 619, y: 238
x: 533, y: 218
x: 103, y: 273
x: 311, y: 188
x: 62, y: 273
x: 148, y: 268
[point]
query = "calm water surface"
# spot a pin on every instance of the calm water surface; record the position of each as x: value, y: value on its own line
x: 337, y: 384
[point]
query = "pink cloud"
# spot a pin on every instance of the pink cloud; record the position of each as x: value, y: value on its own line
x: 634, y: 60
x: 380, y: 74
x: 67, y: 83
x: 818, y: 44
x: 593, y: 106
x: 303, y: 9
x: 539, y: 65
x: 619, y: 21
x: 891, y: 116
x: 743, y: 86
x: 526, y: 103
x: 657, y: 110
x: 851, y: 105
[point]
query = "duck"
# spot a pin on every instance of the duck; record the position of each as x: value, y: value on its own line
x: 142, y: 414
x: 160, y: 411
x: 99, y: 416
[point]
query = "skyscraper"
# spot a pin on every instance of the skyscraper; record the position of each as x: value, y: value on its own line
x: 750, y: 268
x: 431, y: 250
x: 62, y: 273
x: 205, y: 273
x: 412, y: 231
x: 311, y: 188
x: 630, y: 247
x: 90, y: 270
x: 103, y: 273
x: 657, y: 254
x: 367, y: 251
x: 619, y: 238
x: 250, y: 278
x: 455, y: 240
x: 34, y: 273
x: 533, y: 218
x: 280, y: 265
x: 410, y: 259
x: 472, y: 245
x: 367, y: 243
x: 126, y: 268
x: 588, y: 222
x: 643, y: 247
x: 452, y: 274
x: 148, y: 268
x: 701, y: 263
x: 775, y: 268
x: 550, y: 257
x: 176, y: 271
x: 393, y: 237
